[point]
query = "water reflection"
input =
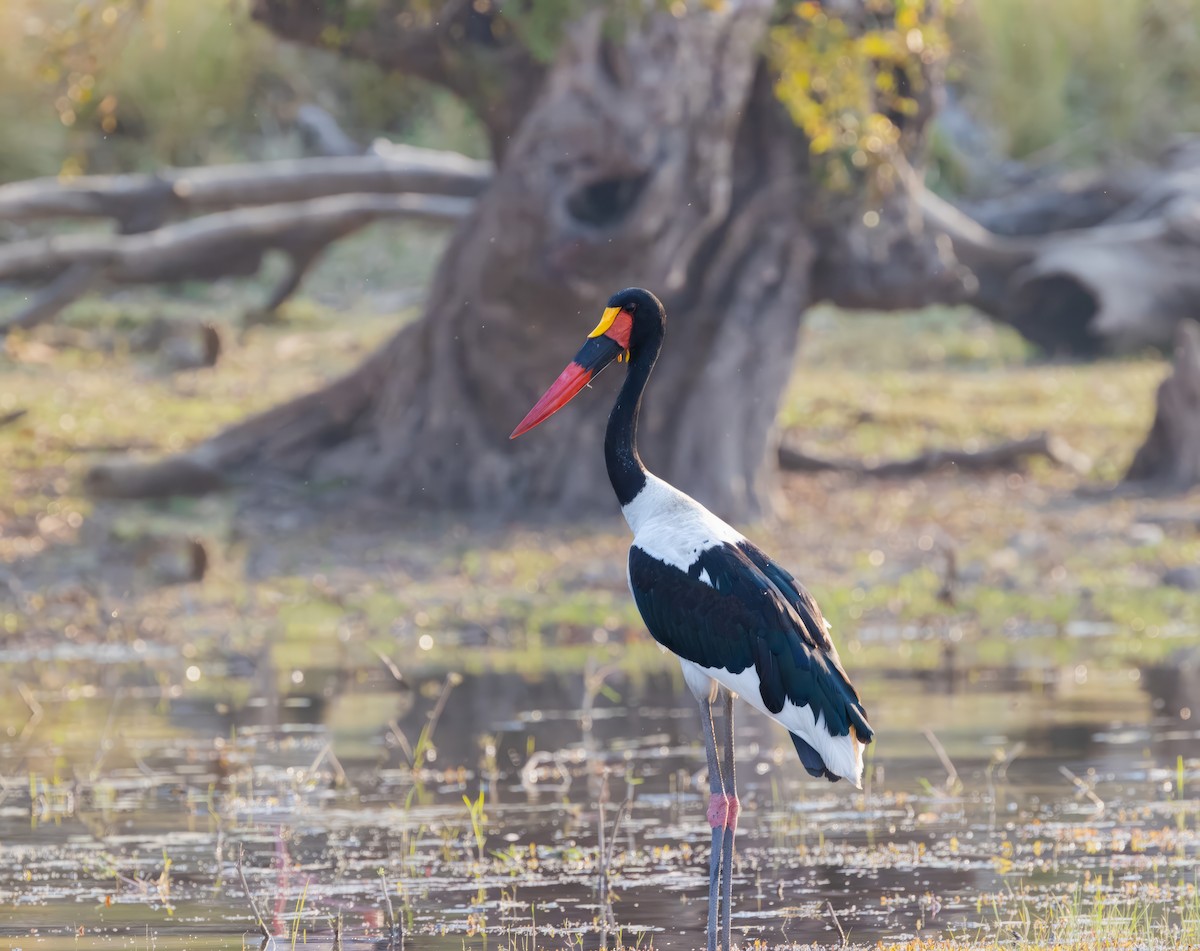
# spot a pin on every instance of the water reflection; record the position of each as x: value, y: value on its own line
x: 124, y: 809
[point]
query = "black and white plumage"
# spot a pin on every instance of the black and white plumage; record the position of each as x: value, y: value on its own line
x: 735, y: 618
x: 732, y: 615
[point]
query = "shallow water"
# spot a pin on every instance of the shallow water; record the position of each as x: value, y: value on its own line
x: 126, y: 805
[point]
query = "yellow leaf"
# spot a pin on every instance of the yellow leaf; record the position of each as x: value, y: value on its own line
x: 876, y: 46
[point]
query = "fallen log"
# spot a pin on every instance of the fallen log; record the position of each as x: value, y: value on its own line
x: 1091, y: 265
x: 230, y: 243
x: 144, y: 202
x: 1170, y: 456
x: 1005, y: 455
x: 190, y: 474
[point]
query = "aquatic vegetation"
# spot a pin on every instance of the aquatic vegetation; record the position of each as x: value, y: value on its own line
x: 460, y: 734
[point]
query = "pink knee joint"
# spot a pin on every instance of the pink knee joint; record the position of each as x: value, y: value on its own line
x: 723, y: 811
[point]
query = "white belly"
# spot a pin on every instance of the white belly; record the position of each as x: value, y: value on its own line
x: 842, y: 754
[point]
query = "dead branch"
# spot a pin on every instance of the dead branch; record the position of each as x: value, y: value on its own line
x: 145, y: 202
x: 1084, y: 790
x: 952, y: 778
x: 837, y: 924
x: 1005, y: 455
x: 186, y: 474
x: 10, y: 418
x: 258, y: 916
x: 231, y: 243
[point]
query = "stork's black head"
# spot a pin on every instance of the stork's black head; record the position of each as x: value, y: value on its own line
x: 647, y: 316
x: 634, y: 319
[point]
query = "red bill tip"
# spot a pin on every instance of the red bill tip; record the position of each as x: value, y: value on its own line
x: 573, y: 379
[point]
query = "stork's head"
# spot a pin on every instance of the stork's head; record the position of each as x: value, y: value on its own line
x: 633, y: 318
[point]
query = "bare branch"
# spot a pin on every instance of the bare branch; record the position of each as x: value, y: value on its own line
x: 145, y: 202
x: 231, y: 243
x: 1003, y: 455
x: 262, y: 924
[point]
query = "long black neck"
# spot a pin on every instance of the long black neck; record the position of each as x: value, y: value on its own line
x: 625, y: 469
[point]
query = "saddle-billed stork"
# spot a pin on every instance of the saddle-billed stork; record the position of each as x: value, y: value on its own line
x: 733, y: 616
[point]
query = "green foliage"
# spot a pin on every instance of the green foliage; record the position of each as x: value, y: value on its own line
x: 540, y: 25
x: 1077, y: 80
x: 115, y: 85
x: 844, y: 83
x: 34, y: 139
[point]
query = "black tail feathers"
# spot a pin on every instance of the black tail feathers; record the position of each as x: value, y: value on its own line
x: 811, y: 759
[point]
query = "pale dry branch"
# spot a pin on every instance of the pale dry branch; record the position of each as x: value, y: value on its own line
x: 145, y: 202
x: 1005, y: 455
x: 258, y: 915
x: 230, y: 243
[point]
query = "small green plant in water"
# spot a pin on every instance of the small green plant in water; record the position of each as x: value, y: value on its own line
x: 299, y: 913
x: 478, y: 823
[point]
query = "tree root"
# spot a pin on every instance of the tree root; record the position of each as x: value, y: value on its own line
x: 1170, y: 456
x: 186, y: 474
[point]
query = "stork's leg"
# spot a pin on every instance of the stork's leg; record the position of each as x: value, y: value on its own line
x: 716, y: 816
x: 731, y: 817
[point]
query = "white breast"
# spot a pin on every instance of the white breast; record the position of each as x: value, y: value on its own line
x: 673, y: 527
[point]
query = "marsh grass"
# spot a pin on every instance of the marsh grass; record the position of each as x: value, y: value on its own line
x: 102, y: 85
x: 1037, y: 564
x: 186, y: 82
x: 1076, y: 81
x: 300, y: 583
x: 329, y: 591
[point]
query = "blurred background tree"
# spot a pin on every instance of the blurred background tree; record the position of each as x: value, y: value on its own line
x: 123, y: 85
x: 620, y: 159
x: 134, y: 85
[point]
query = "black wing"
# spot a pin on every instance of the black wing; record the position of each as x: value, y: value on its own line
x: 805, y: 606
x: 742, y: 619
x: 796, y: 594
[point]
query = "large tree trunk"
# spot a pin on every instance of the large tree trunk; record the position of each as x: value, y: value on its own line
x: 1170, y: 456
x: 659, y: 158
